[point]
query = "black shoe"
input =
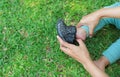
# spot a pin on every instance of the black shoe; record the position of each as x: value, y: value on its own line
x: 67, y: 33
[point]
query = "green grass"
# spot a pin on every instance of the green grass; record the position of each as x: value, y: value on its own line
x: 28, y: 44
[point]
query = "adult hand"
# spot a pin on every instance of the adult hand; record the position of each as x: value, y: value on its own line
x: 79, y: 53
x: 90, y: 20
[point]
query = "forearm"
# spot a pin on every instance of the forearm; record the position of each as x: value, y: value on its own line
x: 109, y: 12
x: 93, y: 69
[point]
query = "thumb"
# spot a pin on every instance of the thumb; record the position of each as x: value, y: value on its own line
x: 91, y: 31
x: 79, y: 25
x: 81, y: 43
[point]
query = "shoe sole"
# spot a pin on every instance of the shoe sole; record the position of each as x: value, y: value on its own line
x: 58, y: 29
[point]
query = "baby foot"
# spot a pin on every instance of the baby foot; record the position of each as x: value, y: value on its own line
x: 81, y: 34
x: 102, y: 63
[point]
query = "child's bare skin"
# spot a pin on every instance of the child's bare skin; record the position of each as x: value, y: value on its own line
x: 81, y: 34
x: 101, y: 63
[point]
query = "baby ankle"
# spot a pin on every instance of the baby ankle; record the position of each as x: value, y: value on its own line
x: 86, y: 28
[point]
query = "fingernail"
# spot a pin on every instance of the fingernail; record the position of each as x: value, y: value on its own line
x: 57, y: 36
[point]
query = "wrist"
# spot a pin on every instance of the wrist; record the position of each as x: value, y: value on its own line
x: 100, y: 13
x: 86, y: 62
x: 93, y: 69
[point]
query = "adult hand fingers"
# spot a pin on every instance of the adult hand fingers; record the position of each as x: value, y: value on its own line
x: 79, y: 25
x: 65, y: 50
x: 91, y: 30
x: 63, y: 43
x: 82, y: 22
x: 81, y: 43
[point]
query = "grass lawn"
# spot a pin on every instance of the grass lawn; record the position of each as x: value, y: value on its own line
x: 28, y: 44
